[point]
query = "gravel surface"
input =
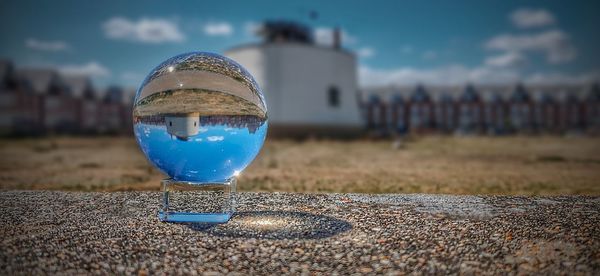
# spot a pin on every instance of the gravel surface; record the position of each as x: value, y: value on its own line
x: 282, y: 233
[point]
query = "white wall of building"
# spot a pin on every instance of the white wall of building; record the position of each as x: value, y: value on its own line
x: 183, y: 126
x: 295, y: 79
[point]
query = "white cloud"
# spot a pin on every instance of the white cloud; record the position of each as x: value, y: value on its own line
x: 132, y: 77
x: 561, y: 78
x: 251, y: 28
x: 555, y: 44
x: 215, y: 138
x: 406, y: 49
x: 145, y: 30
x: 129, y: 75
x: 324, y: 36
x: 218, y: 29
x: 508, y: 59
x: 503, y: 68
x: 452, y: 74
x: 92, y: 69
x: 429, y: 55
x: 365, y: 52
x: 50, y: 46
x: 459, y: 74
x: 530, y: 18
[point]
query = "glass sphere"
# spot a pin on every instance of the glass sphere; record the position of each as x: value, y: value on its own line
x: 200, y: 117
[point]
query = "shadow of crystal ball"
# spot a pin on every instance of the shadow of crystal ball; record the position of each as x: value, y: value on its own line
x: 276, y: 225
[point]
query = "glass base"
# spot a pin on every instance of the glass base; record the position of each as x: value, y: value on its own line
x: 185, y: 201
x: 193, y: 217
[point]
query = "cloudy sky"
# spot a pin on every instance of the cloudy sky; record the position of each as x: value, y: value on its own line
x: 397, y: 42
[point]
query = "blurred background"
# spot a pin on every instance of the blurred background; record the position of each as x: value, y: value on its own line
x: 462, y: 97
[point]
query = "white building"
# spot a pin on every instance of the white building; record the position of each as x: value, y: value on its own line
x: 183, y: 126
x: 309, y: 88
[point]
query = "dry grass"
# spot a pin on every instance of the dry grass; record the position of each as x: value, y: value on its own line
x: 465, y: 165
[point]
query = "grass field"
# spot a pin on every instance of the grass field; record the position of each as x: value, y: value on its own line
x: 451, y: 165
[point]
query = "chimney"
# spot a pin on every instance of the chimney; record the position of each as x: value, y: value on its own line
x: 337, y: 38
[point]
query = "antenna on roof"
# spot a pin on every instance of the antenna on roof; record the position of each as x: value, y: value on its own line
x: 337, y: 38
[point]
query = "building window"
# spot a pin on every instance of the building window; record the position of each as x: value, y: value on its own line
x: 333, y: 96
x: 170, y: 123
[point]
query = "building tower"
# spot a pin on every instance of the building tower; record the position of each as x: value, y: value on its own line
x: 309, y: 88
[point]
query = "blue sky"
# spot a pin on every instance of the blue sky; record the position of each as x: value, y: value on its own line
x: 398, y: 42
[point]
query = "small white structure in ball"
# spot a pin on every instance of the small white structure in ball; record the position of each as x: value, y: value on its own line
x: 183, y: 125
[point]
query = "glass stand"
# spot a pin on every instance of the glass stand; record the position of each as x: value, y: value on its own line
x: 184, y: 201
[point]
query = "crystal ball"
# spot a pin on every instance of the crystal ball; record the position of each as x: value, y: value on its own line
x: 200, y: 117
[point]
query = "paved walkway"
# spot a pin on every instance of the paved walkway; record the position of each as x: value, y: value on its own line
x: 274, y: 233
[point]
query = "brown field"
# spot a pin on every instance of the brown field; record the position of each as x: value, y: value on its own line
x: 451, y: 165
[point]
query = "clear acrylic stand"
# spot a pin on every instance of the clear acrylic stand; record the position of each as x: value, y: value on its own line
x: 185, y: 201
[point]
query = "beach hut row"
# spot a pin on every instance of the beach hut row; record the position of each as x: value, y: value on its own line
x: 495, y: 110
x: 43, y: 101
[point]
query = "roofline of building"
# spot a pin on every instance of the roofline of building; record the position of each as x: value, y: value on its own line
x: 478, y: 86
x: 260, y: 44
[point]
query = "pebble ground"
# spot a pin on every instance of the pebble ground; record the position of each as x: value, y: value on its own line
x: 282, y: 233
